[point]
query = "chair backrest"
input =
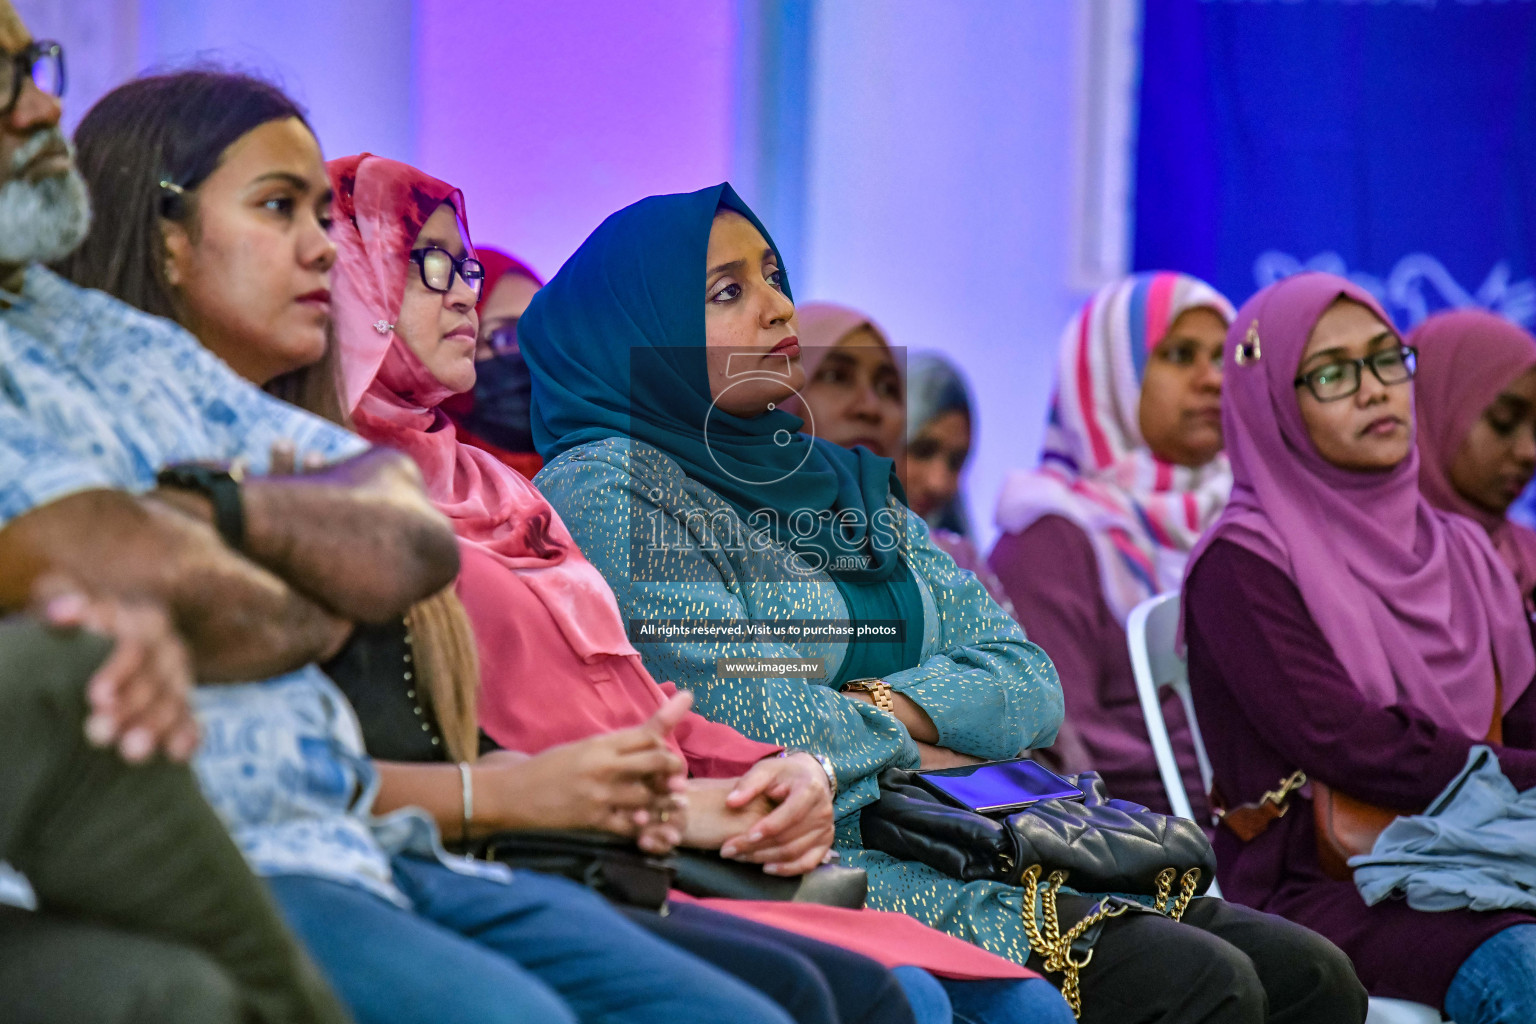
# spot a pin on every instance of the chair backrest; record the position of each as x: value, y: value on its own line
x: 1153, y: 633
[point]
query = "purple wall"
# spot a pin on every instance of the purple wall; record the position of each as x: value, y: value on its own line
x: 617, y: 101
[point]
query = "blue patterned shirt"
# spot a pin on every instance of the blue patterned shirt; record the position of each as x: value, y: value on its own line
x: 97, y: 394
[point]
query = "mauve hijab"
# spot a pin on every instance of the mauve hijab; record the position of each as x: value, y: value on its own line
x: 1412, y: 600
x: 1466, y: 357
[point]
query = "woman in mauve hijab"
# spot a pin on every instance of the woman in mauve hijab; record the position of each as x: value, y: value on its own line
x: 556, y: 663
x: 1476, y: 408
x: 660, y: 352
x: 859, y: 392
x: 1339, y: 625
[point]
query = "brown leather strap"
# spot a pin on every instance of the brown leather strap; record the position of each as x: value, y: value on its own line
x: 1496, y: 727
x: 1249, y: 821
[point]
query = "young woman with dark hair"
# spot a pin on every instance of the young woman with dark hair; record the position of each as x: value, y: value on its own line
x: 148, y: 150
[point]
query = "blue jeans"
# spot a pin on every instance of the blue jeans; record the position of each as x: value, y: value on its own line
x: 541, y: 950
x: 1032, y: 1001
x: 925, y: 994
x: 1497, y: 983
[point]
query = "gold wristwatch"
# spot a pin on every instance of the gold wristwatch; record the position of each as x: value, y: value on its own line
x: 878, y: 689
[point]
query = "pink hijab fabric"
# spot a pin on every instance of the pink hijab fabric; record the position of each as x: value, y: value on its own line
x: 381, y: 206
x: 1415, y: 603
x: 1466, y: 357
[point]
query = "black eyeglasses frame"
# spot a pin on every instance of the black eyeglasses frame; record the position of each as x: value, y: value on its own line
x: 24, y: 66
x: 1408, y: 353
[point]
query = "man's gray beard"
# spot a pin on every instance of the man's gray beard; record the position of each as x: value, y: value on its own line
x: 43, y: 221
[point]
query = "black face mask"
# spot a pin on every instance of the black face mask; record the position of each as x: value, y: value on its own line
x: 503, y: 402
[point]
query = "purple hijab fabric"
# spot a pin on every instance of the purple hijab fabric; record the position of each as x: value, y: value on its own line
x: 1412, y: 600
x: 1466, y: 358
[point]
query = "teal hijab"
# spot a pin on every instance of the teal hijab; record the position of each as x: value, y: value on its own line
x: 615, y: 347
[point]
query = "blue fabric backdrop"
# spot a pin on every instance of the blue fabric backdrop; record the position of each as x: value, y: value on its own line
x: 1393, y: 141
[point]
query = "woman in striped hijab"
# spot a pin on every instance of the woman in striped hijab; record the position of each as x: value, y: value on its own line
x: 1130, y: 474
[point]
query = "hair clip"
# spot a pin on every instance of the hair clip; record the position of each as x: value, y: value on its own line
x: 172, y: 199
x: 1249, y: 351
x: 383, y: 326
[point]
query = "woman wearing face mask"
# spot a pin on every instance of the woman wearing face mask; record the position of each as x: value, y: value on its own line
x: 1130, y: 474
x: 1476, y: 408
x: 243, y: 211
x: 659, y: 352
x: 494, y: 416
x: 1340, y: 626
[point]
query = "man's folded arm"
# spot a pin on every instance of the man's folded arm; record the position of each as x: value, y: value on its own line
x: 240, y: 620
x: 359, y: 536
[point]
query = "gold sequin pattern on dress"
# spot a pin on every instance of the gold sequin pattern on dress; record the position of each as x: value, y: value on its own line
x: 674, y: 550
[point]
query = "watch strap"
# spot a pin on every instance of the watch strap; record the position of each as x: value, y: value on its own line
x: 878, y: 689
x: 222, y: 489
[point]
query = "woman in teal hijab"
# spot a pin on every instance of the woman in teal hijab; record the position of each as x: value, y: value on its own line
x: 711, y: 513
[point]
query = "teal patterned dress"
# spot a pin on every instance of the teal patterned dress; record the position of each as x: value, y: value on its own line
x: 673, y: 550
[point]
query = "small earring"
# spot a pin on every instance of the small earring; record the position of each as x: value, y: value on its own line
x: 1249, y: 351
x: 383, y: 326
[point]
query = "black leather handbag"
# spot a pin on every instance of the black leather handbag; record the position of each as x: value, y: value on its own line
x: 614, y: 867
x: 700, y: 873
x: 1099, y: 843
x: 609, y: 864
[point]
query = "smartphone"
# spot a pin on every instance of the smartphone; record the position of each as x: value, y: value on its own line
x: 997, y: 786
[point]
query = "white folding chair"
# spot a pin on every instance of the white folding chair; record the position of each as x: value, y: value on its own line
x: 1152, y: 633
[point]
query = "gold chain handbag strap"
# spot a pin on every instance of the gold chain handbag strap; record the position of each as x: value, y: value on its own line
x: 1045, y: 936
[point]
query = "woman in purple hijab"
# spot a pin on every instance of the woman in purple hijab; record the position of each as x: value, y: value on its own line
x: 1340, y: 625
x: 1476, y: 409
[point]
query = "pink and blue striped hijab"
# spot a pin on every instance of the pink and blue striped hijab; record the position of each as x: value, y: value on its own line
x: 1143, y: 515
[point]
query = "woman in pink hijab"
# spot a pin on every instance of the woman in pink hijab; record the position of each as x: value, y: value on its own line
x: 1341, y: 627
x: 556, y: 663
x: 1476, y: 407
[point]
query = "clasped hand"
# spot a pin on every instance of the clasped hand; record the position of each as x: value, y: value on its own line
x: 137, y: 700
